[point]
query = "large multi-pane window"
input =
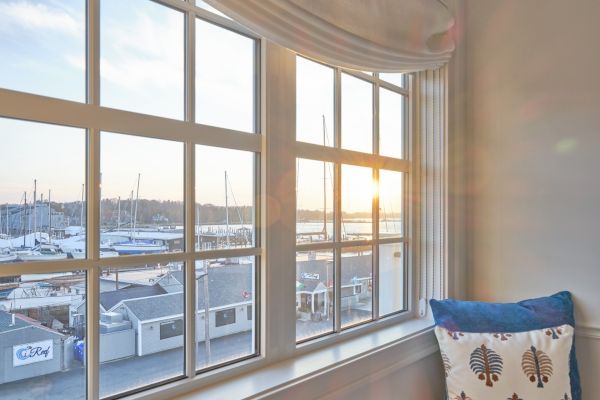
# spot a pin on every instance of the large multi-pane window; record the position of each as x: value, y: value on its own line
x: 351, y: 264
x: 129, y: 246
x: 136, y: 188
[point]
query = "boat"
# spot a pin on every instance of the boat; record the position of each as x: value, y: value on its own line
x: 7, y: 256
x: 42, y: 253
x: 139, y: 246
x: 79, y: 254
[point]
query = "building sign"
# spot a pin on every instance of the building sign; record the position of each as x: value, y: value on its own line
x: 30, y: 353
x: 310, y: 276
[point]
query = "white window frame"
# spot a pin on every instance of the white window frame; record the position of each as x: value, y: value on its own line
x: 275, y: 249
x: 338, y: 156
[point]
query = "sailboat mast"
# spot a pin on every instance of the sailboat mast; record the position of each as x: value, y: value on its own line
x: 324, y: 184
x: 24, y: 216
x: 81, y: 206
x: 131, y: 213
x: 226, y: 211
x: 137, y: 197
x: 49, y: 216
x: 197, y: 229
x: 119, y: 214
x: 34, y: 211
x: 41, y: 218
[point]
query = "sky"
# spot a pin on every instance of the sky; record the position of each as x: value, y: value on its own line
x: 42, y: 45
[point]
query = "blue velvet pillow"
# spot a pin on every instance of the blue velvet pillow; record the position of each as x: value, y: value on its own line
x: 526, y: 315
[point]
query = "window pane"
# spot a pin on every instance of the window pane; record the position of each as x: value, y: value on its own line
x: 314, y: 201
x: 357, y: 202
x: 391, y: 123
x: 225, y: 78
x: 43, y: 47
x: 42, y: 333
x: 141, y: 326
x: 314, y: 102
x: 357, y: 279
x: 142, y: 195
x: 224, y: 198
x: 314, y: 293
x: 357, y: 114
x: 395, y: 78
x: 42, y: 176
x: 391, y: 204
x: 391, y: 278
x: 228, y: 297
x: 141, y: 50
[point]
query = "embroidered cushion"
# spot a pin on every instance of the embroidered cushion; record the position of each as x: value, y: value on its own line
x: 508, y: 351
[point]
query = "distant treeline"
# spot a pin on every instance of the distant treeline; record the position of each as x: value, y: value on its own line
x: 157, y: 212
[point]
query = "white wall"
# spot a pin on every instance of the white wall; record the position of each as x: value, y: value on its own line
x: 533, y: 110
x: 422, y: 380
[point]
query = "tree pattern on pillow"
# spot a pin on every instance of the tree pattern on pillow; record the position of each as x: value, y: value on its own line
x: 462, y: 396
x: 502, y: 336
x: 487, y: 364
x: 537, y: 366
x: 514, y: 397
x: 555, y: 332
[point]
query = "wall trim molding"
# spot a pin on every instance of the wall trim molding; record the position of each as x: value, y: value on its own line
x: 369, y: 379
x: 407, y: 352
x: 588, y: 332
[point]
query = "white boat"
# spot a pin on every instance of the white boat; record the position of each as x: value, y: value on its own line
x: 7, y: 256
x: 79, y: 254
x: 139, y: 247
x: 42, y: 253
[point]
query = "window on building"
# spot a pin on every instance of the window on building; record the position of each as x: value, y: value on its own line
x: 225, y: 317
x: 171, y: 329
x: 350, y: 208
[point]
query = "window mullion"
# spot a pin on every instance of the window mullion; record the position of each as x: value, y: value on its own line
x: 190, y: 270
x: 190, y: 66
x: 279, y: 275
x: 189, y: 194
x: 337, y: 211
x: 93, y: 253
x: 337, y: 275
x: 93, y: 204
x: 375, y: 213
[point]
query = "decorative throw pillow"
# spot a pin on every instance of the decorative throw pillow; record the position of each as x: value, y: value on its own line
x: 513, y: 351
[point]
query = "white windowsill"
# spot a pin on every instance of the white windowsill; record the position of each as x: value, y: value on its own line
x: 414, y: 340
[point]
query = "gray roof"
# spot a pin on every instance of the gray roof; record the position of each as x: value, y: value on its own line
x: 228, y: 284
x: 109, y: 299
x: 164, y: 305
x: 6, y: 321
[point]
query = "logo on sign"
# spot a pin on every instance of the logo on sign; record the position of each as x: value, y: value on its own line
x: 30, y: 353
x: 310, y: 276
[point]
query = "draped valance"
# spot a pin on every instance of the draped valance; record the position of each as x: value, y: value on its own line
x: 371, y: 35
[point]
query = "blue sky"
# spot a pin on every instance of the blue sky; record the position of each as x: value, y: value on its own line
x: 42, y: 45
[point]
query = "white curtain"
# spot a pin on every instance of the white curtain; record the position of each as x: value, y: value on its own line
x: 430, y: 181
x: 370, y: 35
